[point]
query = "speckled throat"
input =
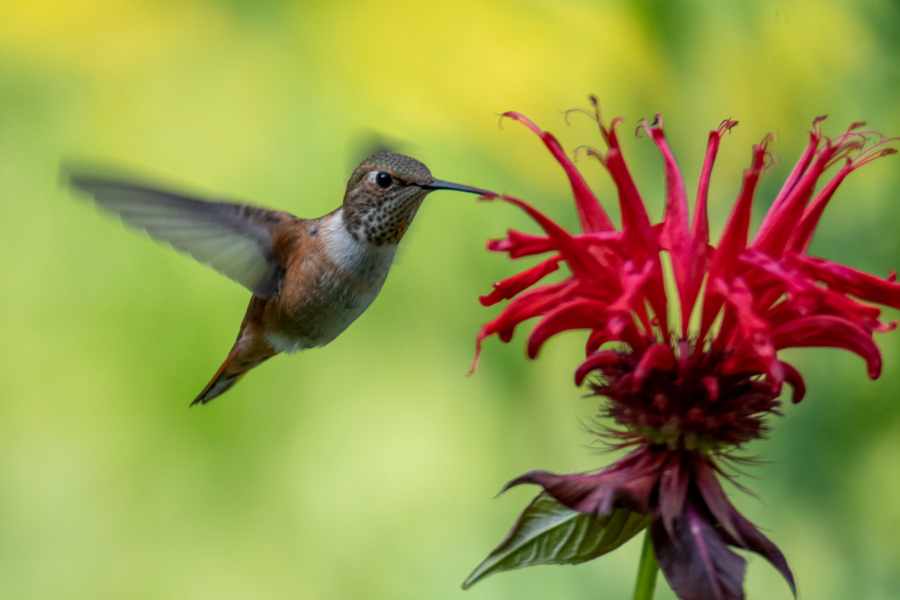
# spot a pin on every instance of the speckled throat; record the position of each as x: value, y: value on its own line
x: 384, y: 222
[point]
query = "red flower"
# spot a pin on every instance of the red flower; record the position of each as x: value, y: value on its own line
x: 683, y: 397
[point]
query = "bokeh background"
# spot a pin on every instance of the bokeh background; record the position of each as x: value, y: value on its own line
x: 367, y: 469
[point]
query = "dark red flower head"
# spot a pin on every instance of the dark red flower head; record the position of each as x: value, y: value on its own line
x: 691, y: 376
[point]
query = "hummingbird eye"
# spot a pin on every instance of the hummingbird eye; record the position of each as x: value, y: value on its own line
x: 384, y: 180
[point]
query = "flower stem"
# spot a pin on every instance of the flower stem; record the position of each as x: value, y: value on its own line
x: 646, y: 577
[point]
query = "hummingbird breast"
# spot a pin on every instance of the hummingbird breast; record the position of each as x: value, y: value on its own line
x: 331, y: 279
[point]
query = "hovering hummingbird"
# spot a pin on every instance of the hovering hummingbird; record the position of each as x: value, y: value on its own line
x: 310, y: 278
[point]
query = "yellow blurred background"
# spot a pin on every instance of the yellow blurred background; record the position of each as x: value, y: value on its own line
x: 367, y: 469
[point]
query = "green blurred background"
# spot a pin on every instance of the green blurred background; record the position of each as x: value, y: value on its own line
x: 367, y: 469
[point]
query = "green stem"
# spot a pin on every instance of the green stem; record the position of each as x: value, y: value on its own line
x: 646, y: 577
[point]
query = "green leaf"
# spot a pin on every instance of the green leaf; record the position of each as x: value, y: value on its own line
x: 549, y: 533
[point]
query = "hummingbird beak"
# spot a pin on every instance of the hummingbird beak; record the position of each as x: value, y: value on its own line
x: 437, y: 184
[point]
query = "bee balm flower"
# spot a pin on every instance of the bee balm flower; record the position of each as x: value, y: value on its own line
x: 682, y: 399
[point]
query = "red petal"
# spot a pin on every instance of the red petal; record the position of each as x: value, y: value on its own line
x: 740, y: 298
x: 793, y: 377
x: 520, y: 244
x: 657, y: 356
x: 511, y: 286
x: 581, y: 313
x: 700, y: 248
x: 733, y: 242
x: 582, y: 264
x: 600, y: 360
x: 830, y: 332
x: 592, y: 312
x: 638, y: 232
x: 530, y: 304
x: 597, y: 338
x: 635, y: 221
x: 590, y: 212
x: 815, y: 136
x: 846, y: 280
x: 700, y: 229
x: 675, y: 235
x: 802, y: 297
x: 778, y: 226
x: 804, y: 230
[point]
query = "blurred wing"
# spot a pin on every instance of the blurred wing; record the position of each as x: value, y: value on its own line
x: 234, y: 239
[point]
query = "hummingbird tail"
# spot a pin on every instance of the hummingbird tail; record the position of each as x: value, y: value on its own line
x: 218, y: 386
x: 236, y: 365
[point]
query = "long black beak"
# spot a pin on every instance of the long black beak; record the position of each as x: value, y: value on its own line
x: 437, y: 184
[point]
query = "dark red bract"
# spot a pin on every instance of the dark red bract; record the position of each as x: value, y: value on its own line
x: 683, y: 398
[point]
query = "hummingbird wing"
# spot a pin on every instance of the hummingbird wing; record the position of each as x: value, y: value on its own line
x: 234, y: 239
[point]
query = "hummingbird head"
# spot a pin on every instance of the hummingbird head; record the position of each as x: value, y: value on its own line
x: 384, y: 193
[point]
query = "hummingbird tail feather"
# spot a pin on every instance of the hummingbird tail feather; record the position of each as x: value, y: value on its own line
x: 231, y: 371
x: 217, y: 387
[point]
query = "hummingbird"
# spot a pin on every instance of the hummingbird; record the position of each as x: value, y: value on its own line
x: 310, y: 278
